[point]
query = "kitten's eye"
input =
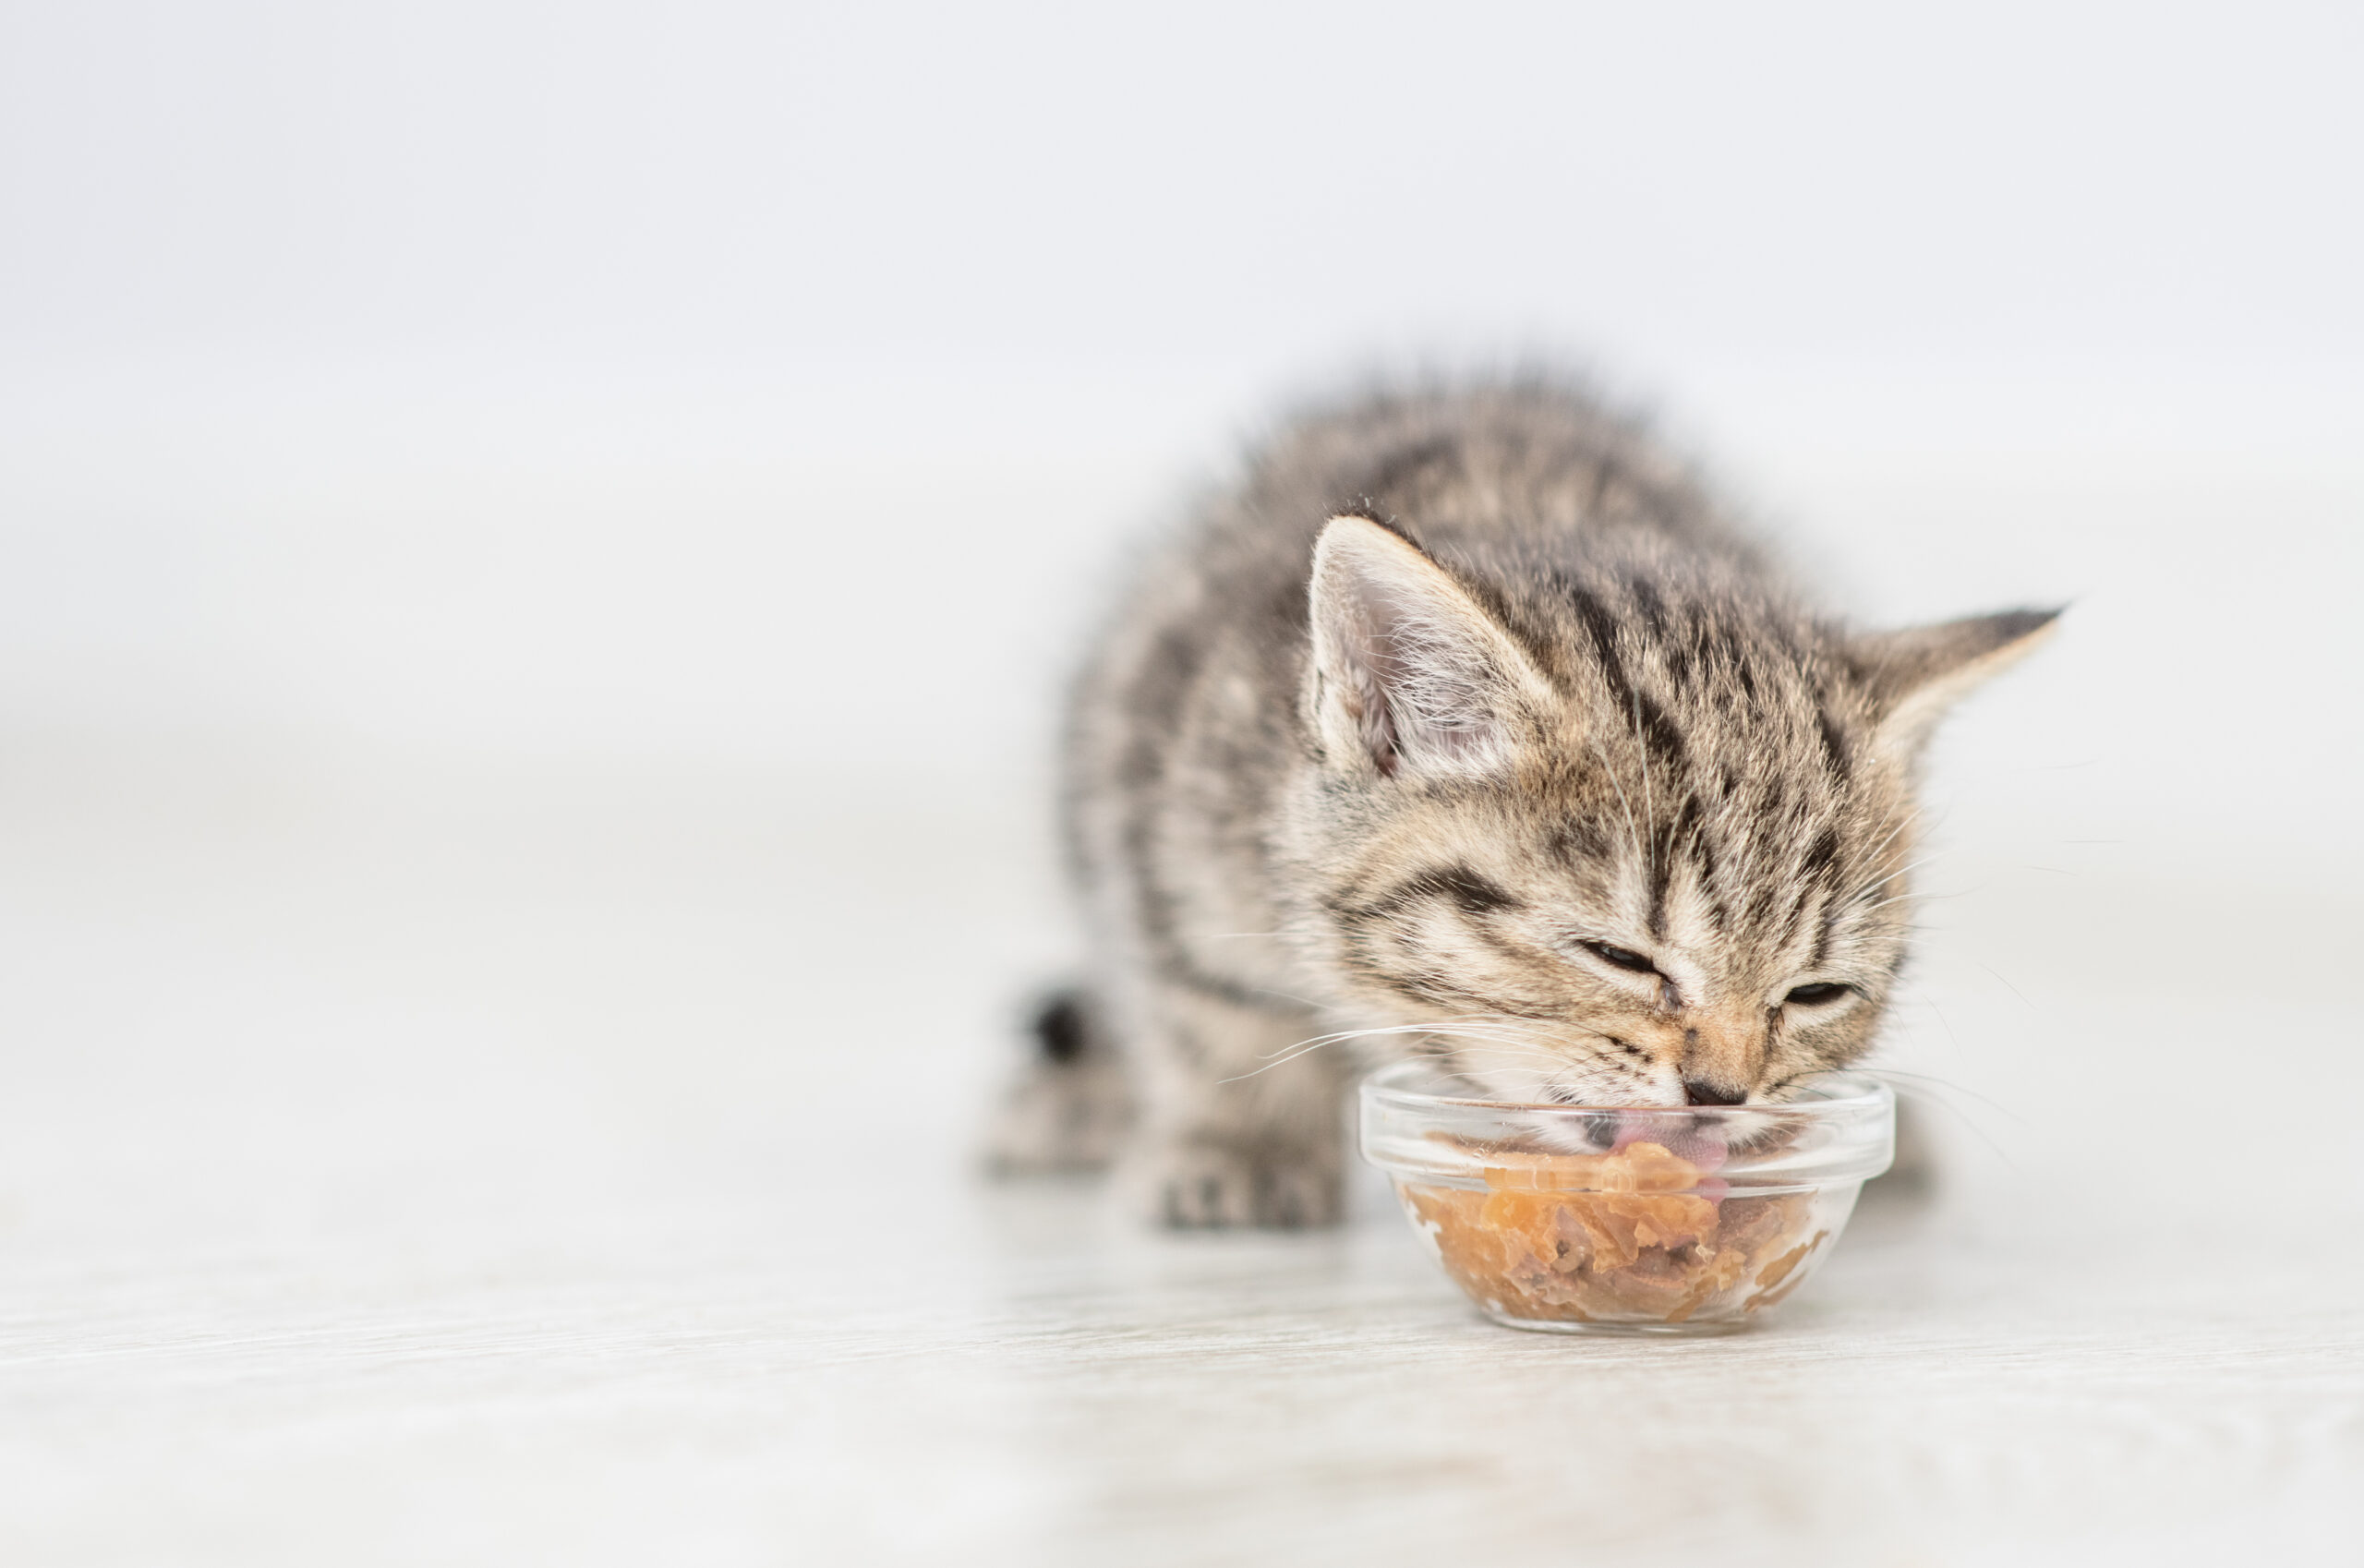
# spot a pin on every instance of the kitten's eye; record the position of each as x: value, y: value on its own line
x: 1816, y: 995
x: 1620, y: 958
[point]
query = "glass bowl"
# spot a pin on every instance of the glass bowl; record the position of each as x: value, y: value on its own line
x: 1571, y: 1219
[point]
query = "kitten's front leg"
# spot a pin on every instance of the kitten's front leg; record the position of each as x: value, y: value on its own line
x: 1243, y: 1125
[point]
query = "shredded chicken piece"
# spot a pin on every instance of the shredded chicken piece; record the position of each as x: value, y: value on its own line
x: 1627, y: 1238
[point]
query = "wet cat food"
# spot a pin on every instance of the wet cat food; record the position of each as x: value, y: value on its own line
x: 1605, y: 1219
x: 1640, y: 1235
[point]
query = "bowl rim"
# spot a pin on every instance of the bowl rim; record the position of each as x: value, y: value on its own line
x: 1842, y: 1131
x: 1846, y: 1090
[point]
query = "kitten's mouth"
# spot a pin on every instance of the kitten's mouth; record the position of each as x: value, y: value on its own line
x: 1705, y: 1136
x: 1611, y: 1122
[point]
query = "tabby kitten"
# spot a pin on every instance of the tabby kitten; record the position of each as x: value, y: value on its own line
x: 1469, y: 726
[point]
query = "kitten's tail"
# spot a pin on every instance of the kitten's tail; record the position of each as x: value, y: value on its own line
x: 1063, y: 1029
x: 1069, y: 1107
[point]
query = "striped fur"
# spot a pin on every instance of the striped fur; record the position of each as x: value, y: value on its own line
x: 1467, y: 726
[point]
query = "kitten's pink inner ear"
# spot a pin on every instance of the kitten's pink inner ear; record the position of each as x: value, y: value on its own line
x: 1915, y: 675
x: 1408, y: 670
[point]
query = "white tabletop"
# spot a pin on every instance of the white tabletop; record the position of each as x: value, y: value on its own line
x: 406, y: 1163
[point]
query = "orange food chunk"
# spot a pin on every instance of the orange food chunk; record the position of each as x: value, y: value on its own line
x: 1619, y: 1238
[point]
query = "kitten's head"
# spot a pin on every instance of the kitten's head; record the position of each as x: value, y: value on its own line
x: 1633, y: 833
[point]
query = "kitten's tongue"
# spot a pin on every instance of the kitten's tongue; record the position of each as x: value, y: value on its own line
x: 1701, y: 1143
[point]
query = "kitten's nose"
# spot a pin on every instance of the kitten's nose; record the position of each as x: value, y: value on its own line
x: 1699, y: 1091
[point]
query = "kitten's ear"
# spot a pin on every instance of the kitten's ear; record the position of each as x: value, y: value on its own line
x: 1409, y: 671
x: 1914, y: 676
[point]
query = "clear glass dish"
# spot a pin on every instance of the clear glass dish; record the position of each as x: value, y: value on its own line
x: 1572, y: 1219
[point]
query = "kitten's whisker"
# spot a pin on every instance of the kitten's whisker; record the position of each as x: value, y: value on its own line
x: 1555, y: 1058
x: 1989, y: 1102
x: 1301, y: 1001
x: 1504, y: 1045
x: 1290, y: 1053
x: 1967, y: 1123
x: 1478, y: 1027
x: 1502, y: 1050
x: 1873, y: 882
x: 1914, y: 898
x: 2012, y: 989
x: 1923, y: 998
x: 1902, y: 818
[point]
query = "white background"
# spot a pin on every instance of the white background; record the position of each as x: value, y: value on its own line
x: 778, y: 382
x: 537, y: 546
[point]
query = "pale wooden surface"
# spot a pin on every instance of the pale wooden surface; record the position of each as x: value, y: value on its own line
x: 406, y: 1165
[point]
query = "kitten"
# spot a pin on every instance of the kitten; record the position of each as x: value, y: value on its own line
x: 1467, y: 726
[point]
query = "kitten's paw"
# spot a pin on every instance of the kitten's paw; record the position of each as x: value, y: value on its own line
x: 1069, y: 1106
x: 1189, y: 1183
x: 1059, y: 1116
